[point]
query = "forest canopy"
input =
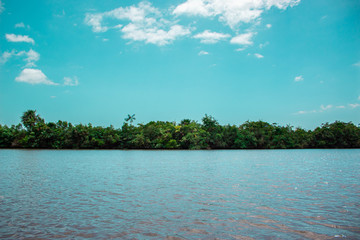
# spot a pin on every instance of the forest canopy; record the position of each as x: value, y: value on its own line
x: 34, y: 132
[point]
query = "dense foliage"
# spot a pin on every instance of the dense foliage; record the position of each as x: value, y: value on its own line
x: 34, y: 132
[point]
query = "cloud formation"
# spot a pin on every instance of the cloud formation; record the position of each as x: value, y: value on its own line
x: 20, y: 25
x: 354, y: 105
x: 231, y: 12
x: 327, y: 107
x: 154, y: 35
x: 258, y: 55
x: 33, y: 76
x: 299, y: 78
x: 209, y: 37
x: 31, y: 57
x: 202, y: 52
x: 243, y: 39
x: 324, y: 108
x: 19, y: 38
x: 71, y: 81
x: 145, y: 24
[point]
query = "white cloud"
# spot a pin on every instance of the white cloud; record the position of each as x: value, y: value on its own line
x: 324, y: 108
x: 262, y: 45
x: 19, y: 38
x: 33, y: 76
x: 354, y: 105
x: 118, y: 26
x: 31, y: 57
x: 240, y: 49
x: 94, y: 20
x: 268, y: 25
x: 359, y: 98
x: 327, y: 107
x: 71, y: 82
x: 6, y: 56
x: 258, y: 55
x: 299, y: 78
x: 243, y: 39
x: 145, y: 24
x: 211, y: 37
x: 133, y: 13
x: 356, y: 64
x: 201, y: 53
x: 20, y: 25
x: 153, y: 35
x: 231, y: 12
x: 305, y: 112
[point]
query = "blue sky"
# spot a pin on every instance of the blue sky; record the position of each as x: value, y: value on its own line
x: 291, y: 62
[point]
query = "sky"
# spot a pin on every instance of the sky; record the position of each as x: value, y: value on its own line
x: 293, y: 62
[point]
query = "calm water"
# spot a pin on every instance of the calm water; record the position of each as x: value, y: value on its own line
x: 288, y: 194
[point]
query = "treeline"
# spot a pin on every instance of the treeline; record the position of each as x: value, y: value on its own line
x: 34, y: 132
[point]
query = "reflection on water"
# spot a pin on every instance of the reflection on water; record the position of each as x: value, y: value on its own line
x: 289, y: 194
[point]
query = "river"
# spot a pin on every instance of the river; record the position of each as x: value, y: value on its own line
x: 229, y: 194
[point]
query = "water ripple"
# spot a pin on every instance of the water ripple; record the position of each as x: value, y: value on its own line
x: 176, y: 195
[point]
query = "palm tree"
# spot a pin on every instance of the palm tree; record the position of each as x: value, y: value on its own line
x: 29, y: 119
x: 130, y: 118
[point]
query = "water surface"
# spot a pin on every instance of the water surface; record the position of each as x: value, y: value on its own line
x: 270, y: 194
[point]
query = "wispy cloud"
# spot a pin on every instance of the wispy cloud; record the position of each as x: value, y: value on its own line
x: 201, y: 53
x: 304, y: 112
x: 20, y: 25
x: 154, y: 35
x: 209, y: 37
x: 357, y: 64
x: 299, y: 78
x: 231, y: 12
x: 94, y: 20
x: 240, y: 49
x: 258, y: 55
x: 262, y: 45
x: 354, y: 105
x: 6, y: 56
x: 145, y: 24
x: 71, y: 81
x: 34, y: 77
x: 19, y: 38
x: 327, y: 107
x: 31, y: 57
x: 243, y: 39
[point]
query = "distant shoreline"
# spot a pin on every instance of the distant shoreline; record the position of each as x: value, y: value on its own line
x: 35, y: 133
x: 160, y: 150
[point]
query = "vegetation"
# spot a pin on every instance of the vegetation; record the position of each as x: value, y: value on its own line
x: 34, y: 132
